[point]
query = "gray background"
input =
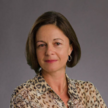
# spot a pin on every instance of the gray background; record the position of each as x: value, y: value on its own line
x: 89, y: 19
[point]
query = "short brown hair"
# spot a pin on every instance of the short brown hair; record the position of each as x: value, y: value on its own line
x: 52, y: 17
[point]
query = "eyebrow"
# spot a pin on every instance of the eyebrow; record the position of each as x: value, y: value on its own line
x: 53, y: 39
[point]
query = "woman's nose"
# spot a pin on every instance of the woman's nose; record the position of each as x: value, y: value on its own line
x: 49, y: 50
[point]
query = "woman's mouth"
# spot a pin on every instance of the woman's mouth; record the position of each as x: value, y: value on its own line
x: 50, y: 61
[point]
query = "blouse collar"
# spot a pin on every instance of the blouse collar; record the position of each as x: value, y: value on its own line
x: 42, y: 86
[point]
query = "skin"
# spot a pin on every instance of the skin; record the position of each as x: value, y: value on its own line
x: 59, y: 49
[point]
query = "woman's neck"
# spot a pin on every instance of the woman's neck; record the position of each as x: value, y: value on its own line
x: 56, y: 80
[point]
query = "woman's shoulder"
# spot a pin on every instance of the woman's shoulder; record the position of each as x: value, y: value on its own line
x: 87, y: 90
x: 24, y: 88
x: 85, y: 87
x: 23, y: 93
x: 82, y: 83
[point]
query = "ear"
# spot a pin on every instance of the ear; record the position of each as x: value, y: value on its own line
x: 70, y: 49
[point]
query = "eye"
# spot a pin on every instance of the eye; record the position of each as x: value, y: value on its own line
x: 58, y: 43
x: 41, y: 45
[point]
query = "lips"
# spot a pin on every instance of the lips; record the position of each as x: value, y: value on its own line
x: 50, y: 61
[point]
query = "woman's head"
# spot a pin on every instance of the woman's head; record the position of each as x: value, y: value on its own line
x: 52, y: 44
x: 47, y: 28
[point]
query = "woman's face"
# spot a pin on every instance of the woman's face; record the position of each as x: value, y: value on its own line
x: 52, y: 44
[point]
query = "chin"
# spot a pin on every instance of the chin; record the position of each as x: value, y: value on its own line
x: 50, y: 69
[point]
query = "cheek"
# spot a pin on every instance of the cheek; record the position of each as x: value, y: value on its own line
x: 63, y: 54
x: 39, y: 55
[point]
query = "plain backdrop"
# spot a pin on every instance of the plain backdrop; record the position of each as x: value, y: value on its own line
x: 89, y: 18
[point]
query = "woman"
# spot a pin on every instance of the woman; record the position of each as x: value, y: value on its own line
x: 51, y: 46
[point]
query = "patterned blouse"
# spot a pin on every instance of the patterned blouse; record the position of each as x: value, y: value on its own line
x: 36, y: 93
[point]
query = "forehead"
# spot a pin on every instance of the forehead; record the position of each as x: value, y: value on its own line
x: 50, y: 31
